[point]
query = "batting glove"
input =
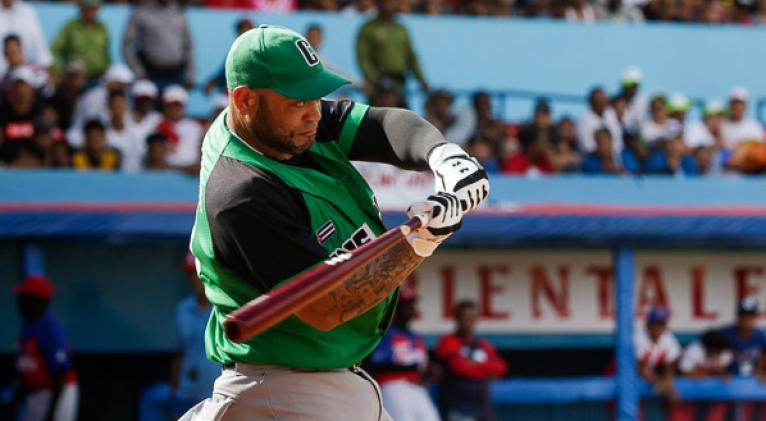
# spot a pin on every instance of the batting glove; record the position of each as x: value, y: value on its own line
x: 444, y: 218
x: 460, y: 174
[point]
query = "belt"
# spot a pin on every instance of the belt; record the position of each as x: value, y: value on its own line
x: 233, y: 365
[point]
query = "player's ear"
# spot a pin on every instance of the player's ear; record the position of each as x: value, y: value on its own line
x: 243, y: 100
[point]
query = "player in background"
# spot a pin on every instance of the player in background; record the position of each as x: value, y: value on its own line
x: 400, y: 363
x: 192, y: 374
x: 749, y: 347
x: 657, y: 352
x: 46, y: 383
x: 470, y: 364
x: 709, y: 356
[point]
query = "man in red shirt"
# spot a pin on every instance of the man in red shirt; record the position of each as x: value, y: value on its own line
x: 470, y: 363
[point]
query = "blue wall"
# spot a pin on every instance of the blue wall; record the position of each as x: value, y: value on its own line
x: 506, y: 54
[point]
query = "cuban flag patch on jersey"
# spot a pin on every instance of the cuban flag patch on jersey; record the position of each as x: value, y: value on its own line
x: 326, y: 231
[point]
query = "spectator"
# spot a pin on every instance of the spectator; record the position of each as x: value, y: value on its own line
x: 579, y: 11
x: 710, y: 355
x: 192, y: 374
x: 95, y: 102
x: 470, y: 365
x: 635, y: 154
x: 218, y: 81
x: 361, y: 7
x: 619, y: 10
x: 565, y: 157
x: 455, y: 127
x: 566, y: 131
x: 45, y: 377
x: 183, y: 133
x: 14, y: 57
x: 17, y: 17
x: 157, y: 151
x: 157, y: 44
x: 602, y: 160
x: 707, y: 132
x: 17, y: 117
x: 678, y: 105
x: 485, y: 151
x: 67, y: 93
x: 145, y: 115
x: 487, y: 125
x: 95, y: 154
x: 657, y: 352
x: 385, y: 94
x: 638, y: 106
x: 600, y: 115
x: 399, y: 364
x: 541, y: 125
x: 384, y: 49
x: 122, y: 135
x: 620, y: 106
x: 85, y: 39
x: 534, y: 158
x: 658, y: 126
x: 670, y: 157
x: 748, y: 342
x: 50, y: 144
x: 737, y: 128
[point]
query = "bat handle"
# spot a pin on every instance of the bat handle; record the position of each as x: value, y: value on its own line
x: 417, y: 221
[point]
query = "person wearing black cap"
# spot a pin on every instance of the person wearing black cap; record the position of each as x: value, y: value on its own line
x: 748, y: 342
x: 657, y: 351
x: 45, y: 378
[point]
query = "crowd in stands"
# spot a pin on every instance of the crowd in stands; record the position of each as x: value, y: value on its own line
x: 72, y: 105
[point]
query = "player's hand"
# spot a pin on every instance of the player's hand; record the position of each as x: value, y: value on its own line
x: 444, y: 218
x: 460, y: 174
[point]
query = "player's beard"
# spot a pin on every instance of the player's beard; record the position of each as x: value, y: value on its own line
x: 266, y: 130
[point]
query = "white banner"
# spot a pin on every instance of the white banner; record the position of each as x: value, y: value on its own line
x: 573, y: 291
x: 396, y: 189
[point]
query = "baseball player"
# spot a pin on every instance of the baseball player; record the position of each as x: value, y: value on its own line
x: 399, y: 364
x: 278, y: 195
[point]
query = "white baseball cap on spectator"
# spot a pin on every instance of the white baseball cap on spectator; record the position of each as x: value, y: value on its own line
x: 632, y: 76
x: 144, y: 88
x: 678, y: 102
x: 174, y: 93
x: 120, y: 73
x: 27, y: 75
x: 713, y: 107
x: 739, y: 93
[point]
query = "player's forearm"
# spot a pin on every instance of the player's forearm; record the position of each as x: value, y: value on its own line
x: 367, y: 287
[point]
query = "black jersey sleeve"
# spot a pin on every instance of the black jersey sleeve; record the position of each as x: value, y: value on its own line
x: 260, y: 226
x: 388, y: 135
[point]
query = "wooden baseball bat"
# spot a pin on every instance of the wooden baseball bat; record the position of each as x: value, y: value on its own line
x: 262, y: 313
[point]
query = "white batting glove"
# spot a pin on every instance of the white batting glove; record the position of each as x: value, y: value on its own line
x: 458, y: 173
x: 444, y: 218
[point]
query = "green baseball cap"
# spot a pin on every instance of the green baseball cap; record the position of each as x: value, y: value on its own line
x: 280, y: 59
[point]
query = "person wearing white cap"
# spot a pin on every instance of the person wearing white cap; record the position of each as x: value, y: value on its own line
x: 145, y: 115
x: 708, y: 132
x: 638, y: 104
x: 737, y: 128
x: 17, y: 116
x: 17, y: 17
x: 183, y: 133
x: 94, y: 103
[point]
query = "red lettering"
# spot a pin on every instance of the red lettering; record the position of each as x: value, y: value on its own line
x: 698, y: 295
x: 447, y: 275
x: 542, y: 286
x: 742, y: 279
x: 604, y: 294
x: 487, y: 289
x: 651, y: 282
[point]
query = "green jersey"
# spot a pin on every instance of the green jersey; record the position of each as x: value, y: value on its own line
x: 261, y: 221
